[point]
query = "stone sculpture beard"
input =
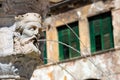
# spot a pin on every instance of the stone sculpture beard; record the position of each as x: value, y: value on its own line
x: 27, y: 31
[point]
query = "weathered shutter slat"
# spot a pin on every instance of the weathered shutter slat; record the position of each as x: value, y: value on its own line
x: 74, y: 42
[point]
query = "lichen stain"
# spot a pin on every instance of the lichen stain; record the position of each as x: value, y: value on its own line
x: 50, y: 76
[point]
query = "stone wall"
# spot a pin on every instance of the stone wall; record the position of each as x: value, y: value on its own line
x: 6, y: 21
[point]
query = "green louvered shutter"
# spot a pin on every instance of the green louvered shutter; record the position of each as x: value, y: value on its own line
x: 66, y: 36
x: 63, y: 37
x: 95, y: 33
x: 74, y: 42
x: 107, y: 32
x: 101, y: 33
x: 45, y: 50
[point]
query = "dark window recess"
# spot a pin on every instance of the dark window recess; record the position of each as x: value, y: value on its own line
x: 98, y: 42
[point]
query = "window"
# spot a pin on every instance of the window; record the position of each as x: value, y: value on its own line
x: 66, y: 36
x: 101, y: 32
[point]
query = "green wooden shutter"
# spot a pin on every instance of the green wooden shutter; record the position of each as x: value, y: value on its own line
x: 101, y: 33
x: 107, y: 32
x: 45, y: 50
x: 92, y: 38
x: 60, y: 45
x: 66, y: 35
x: 97, y: 33
x: 74, y: 42
x: 63, y: 37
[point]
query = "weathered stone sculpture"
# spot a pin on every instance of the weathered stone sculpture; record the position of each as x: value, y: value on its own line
x: 28, y: 28
x: 21, y: 38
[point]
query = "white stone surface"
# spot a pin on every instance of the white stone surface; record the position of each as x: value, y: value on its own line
x: 6, y: 41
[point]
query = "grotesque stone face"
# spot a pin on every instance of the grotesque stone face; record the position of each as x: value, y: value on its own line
x: 29, y: 23
x: 28, y: 26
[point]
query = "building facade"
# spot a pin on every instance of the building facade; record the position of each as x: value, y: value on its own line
x: 82, y: 43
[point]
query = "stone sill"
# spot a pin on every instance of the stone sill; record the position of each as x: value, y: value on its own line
x: 80, y: 57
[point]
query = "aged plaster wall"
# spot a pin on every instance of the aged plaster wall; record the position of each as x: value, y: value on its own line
x: 84, y: 37
x: 81, y: 69
x: 53, y: 46
x: 116, y: 27
x: 80, y: 15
